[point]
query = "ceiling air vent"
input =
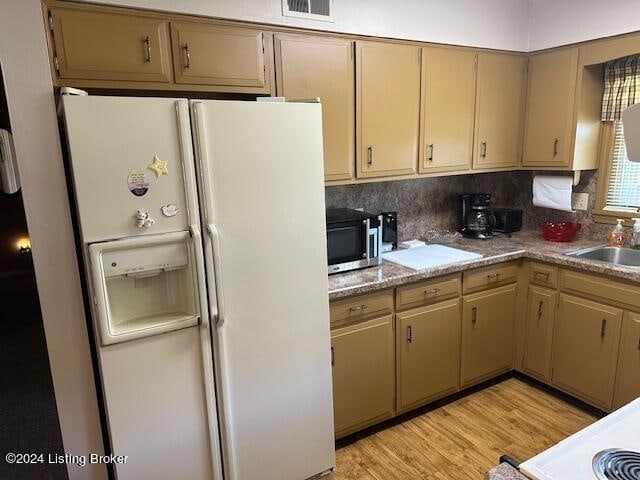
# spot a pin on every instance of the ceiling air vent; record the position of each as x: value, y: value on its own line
x: 311, y: 9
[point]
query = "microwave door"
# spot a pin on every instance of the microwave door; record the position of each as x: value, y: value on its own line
x: 345, y: 244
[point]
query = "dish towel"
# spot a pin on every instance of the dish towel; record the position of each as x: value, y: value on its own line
x: 553, y: 192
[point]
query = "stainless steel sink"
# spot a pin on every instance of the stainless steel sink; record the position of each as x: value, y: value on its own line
x: 626, y: 257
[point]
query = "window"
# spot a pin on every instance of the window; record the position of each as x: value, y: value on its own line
x: 618, y: 193
x: 623, y: 192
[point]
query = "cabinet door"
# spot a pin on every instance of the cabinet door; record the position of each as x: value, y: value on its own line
x: 541, y: 313
x: 499, y: 110
x: 550, y: 108
x: 428, y: 352
x: 447, y: 110
x: 363, y: 377
x: 322, y: 67
x: 628, y: 376
x: 387, y: 108
x: 110, y: 46
x: 487, y: 334
x: 217, y: 55
x: 585, y: 353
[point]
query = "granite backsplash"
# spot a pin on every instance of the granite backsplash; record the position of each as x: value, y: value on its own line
x: 432, y: 203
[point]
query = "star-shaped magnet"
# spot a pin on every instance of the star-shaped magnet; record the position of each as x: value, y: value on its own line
x: 159, y: 166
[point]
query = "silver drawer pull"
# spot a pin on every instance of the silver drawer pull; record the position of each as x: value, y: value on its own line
x: 147, y: 49
x: 430, y: 153
x: 493, y: 275
x: 433, y: 291
x: 603, y: 328
x: 333, y: 356
x: 369, y: 156
x: 409, y: 334
x: 358, y: 309
x: 474, y: 315
x: 542, y: 274
x: 540, y: 305
x: 187, y: 56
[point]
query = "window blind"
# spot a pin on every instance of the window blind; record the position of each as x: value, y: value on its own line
x: 624, y: 181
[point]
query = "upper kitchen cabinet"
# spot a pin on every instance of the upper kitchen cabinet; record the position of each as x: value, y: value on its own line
x: 448, y: 97
x: 107, y: 46
x: 309, y: 66
x: 499, y: 110
x: 387, y: 108
x: 562, y: 123
x: 222, y: 56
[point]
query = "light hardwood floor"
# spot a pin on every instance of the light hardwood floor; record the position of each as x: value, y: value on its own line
x: 464, y: 439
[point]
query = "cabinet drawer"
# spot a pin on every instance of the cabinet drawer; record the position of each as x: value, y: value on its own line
x: 543, y: 274
x: 610, y: 291
x: 361, y: 307
x: 427, y: 292
x: 488, y: 277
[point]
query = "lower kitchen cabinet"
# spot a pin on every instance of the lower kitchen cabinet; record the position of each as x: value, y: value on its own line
x: 487, y: 334
x: 585, y: 353
x: 541, y: 312
x: 628, y: 377
x: 428, y: 353
x: 363, y: 374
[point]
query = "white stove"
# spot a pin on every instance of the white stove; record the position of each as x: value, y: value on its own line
x: 607, y: 450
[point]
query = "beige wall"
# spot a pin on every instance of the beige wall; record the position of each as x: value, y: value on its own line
x: 488, y: 23
x: 33, y: 119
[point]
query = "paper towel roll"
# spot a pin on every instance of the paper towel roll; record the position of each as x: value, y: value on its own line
x: 553, y: 192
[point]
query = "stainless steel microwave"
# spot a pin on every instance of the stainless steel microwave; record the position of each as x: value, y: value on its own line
x: 354, y: 239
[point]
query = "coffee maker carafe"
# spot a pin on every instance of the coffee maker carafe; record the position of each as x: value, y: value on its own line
x: 475, y: 215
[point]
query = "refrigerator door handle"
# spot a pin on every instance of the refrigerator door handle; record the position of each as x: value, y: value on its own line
x: 217, y: 271
x: 196, y: 238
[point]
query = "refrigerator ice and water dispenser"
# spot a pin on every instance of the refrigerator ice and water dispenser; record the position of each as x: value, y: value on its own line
x: 144, y: 286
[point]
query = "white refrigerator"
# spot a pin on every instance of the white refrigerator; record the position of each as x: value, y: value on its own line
x: 204, y: 243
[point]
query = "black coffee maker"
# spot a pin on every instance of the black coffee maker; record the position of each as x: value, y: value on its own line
x: 475, y: 216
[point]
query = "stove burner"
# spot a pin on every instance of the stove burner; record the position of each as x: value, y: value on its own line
x: 617, y: 464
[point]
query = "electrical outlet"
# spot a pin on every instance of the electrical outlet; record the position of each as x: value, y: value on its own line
x: 579, y: 201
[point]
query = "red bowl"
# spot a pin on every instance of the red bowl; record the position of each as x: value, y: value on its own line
x: 560, y: 231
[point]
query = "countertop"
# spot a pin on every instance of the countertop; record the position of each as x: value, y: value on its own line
x: 504, y: 471
x: 501, y: 248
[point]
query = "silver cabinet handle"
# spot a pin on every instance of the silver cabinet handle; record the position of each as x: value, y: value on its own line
x: 432, y: 291
x: 358, y: 309
x: 540, y: 305
x: 493, y: 275
x: 555, y: 146
x: 147, y: 49
x: 187, y: 57
x: 430, y: 153
x: 333, y: 357
x: 542, y: 274
x: 369, y: 156
x: 474, y: 315
x: 483, y: 149
x: 409, y: 334
x: 603, y: 328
